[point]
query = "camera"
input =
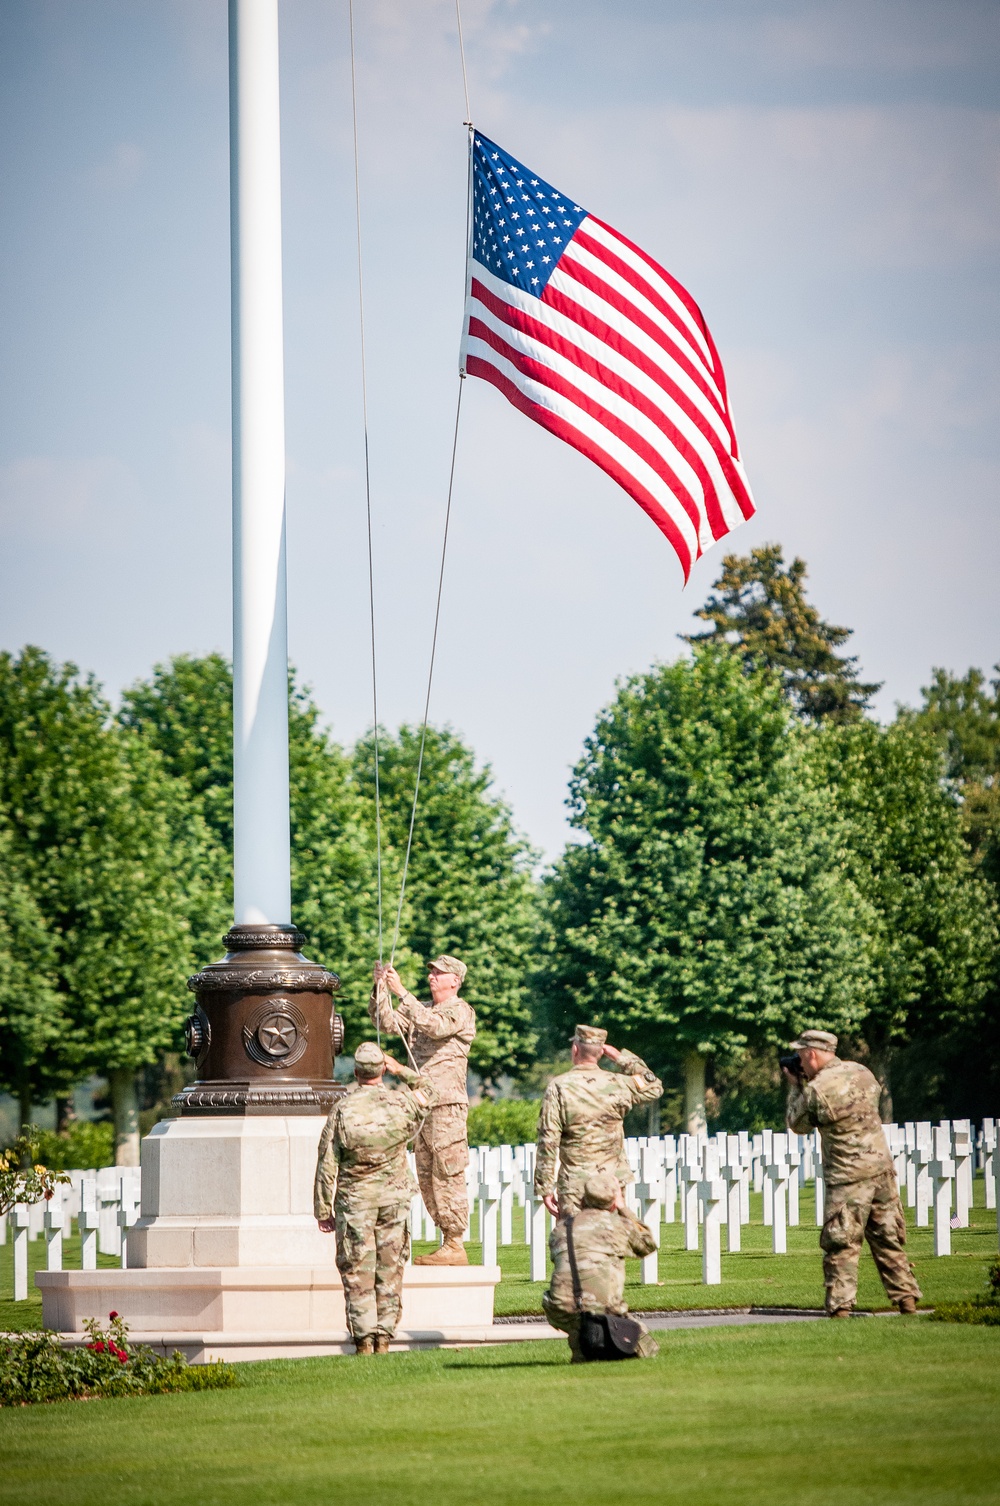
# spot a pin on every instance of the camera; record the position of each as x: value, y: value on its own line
x: 791, y: 1063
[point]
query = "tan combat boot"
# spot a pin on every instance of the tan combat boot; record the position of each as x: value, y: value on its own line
x: 365, y: 1345
x: 841, y: 1312
x: 907, y: 1306
x: 452, y: 1252
x: 381, y: 1343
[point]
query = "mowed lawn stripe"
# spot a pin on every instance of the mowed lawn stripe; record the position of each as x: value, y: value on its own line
x: 817, y: 1415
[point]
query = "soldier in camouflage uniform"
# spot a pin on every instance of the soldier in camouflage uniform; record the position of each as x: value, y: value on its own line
x: 439, y: 1035
x: 604, y: 1233
x: 841, y: 1100
x: 363, y: 1191
x: 581, y: 1118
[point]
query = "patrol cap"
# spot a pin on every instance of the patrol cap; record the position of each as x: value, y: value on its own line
x: 369, y: 1059
x: 815, y: 1040
x: 600, y: 1190
x: 446, y: 964
x: 590, y: 1035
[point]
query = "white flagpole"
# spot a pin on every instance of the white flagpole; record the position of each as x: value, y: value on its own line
x: 260, y: 653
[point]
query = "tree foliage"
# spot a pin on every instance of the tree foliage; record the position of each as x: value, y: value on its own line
x: 759, y: 606
x: 706, y: 908
x: 469, y: 888
x: 933, y: 922
x: 90, y: 839
x: 964, y: 712
x: 30, y: 1004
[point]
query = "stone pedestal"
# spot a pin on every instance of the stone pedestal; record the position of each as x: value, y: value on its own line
x: 229, y: 1191
x: 226, y: 1260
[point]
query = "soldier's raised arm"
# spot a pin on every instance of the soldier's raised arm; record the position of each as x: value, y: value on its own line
x: 438, y: 1022
x: 380, y: 1010
x: 643, y: 1083
x: 547, y: 1142
x: 327, y: 1166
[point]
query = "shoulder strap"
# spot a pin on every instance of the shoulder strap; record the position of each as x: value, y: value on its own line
x: 574, y: 1273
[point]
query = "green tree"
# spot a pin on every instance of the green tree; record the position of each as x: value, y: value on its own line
x: 185, y: 711
x: 960, y: 1074
x: 30, y: 1007
x: 964, y: 711
x: 469, y: 890
x: 707, y: 909
x: 933, y: 930
x: 89, y: 815
x: 759, y: 606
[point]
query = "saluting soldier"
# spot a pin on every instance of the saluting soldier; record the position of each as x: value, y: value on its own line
x: 363, y: 1190
x: 439, y: 1035
x: 841, y: 1100
x: 581, y: 1120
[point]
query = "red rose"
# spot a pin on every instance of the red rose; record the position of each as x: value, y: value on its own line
x: 112, y: 1315
x: 98, y: 1348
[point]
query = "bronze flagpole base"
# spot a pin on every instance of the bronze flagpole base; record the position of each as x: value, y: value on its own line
x: 264, y: 1034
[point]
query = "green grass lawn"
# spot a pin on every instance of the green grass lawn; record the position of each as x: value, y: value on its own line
x: 899, y: 1411
x: 754, y: 1278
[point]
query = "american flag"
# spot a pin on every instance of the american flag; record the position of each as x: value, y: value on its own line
x: 588, y: 336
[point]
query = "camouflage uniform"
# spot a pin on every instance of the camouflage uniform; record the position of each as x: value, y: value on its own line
x: 581, y: 1123
x: 862, y: 1201
x: 362, y: 1176
x: 601, y: 1241
x: 439, y: 1038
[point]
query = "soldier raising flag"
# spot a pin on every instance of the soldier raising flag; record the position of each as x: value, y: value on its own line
x: 438, y: 1036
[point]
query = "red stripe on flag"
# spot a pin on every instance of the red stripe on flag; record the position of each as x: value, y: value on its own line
x: 628, y: 273
x: 640, y: 321
x: 561, y: 303
x: 546, y: 377
x: 518, y: 319
x: 693, y: 310
x: 571, y: 436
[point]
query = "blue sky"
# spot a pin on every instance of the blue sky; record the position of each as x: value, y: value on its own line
x: 822, y: 176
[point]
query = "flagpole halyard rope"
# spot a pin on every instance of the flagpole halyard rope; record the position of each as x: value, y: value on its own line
x: 430, y: 673
x: 461, y: 49
x: 368, y: 490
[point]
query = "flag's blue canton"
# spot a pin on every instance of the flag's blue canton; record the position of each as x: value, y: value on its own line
x: 520, y: 224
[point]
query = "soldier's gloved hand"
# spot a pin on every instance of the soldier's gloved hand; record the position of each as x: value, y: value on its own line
x: 326, y: 1225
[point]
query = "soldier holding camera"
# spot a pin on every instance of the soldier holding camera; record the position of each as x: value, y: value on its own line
x: 841, y: 1099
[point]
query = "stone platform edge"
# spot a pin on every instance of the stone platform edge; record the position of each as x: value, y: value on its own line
x: 202, y: 1348
x: 257, y: 1312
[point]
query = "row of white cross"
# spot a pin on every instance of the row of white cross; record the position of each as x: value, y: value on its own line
x: 704, y: 1182
x: 105, y: 1205
x: 701, y: 1181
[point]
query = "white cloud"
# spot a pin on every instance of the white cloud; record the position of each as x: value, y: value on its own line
x: 61, y: 500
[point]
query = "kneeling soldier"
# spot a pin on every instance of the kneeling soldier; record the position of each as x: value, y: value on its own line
x: 604, y: 1232
x: 363, y: 1191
